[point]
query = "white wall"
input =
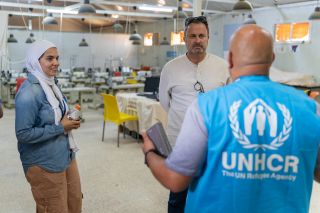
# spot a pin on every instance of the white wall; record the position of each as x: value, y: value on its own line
x: 305, y: 60
x: 101, y: 48
x: 156, y: 55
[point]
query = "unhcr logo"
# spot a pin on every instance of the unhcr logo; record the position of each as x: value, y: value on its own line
x: 258, y: 166
x: 258, y: 110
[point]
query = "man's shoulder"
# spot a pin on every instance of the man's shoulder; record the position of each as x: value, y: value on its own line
x: 215, y: 58
x: 216, y: 92
x: 174, y: 64
x: 177, y: 60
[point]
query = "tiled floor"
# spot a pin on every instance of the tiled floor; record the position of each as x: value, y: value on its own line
x: 113, y: 179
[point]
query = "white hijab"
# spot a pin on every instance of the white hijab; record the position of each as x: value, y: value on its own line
x: 51, y: 90
x: 53, y: 94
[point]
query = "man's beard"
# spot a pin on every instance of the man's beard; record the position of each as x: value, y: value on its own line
x: 198, y: 49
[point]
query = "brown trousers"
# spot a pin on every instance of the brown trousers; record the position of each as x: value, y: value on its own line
x: 56, y: 192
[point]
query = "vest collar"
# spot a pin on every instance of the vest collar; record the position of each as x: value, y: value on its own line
x: 253, y: 78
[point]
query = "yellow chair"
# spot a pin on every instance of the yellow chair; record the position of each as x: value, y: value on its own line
x: 112, y: 114
x: 131, y: 81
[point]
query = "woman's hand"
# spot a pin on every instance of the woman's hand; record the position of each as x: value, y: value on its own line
x: 69, y: 124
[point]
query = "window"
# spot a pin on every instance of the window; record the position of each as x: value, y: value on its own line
x: 155, y: 39
x: 177, y: 38
x: 292, y: 32
x: 148, y: 39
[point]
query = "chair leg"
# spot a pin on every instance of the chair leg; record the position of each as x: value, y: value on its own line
x: 138, y: 135
x: 124, y: 129
x: 104, y: 125
x: 118, y: 135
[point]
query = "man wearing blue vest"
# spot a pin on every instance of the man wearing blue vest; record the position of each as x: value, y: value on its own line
x: 251, y: 146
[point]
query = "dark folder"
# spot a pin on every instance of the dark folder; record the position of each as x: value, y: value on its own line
x: 159, y: 138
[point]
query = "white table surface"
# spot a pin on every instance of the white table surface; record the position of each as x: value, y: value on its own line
x: 148, y: 110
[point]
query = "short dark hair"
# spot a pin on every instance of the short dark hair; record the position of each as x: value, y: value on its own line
x: 197, y: 20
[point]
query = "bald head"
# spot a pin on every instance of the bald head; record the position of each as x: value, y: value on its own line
x: 251, y: 51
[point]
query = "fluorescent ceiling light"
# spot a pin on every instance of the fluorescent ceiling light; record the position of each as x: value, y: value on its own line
x: 185, y: 5
x: 114, y: 16
x: 119, y: 8
x: 157, y: 9
x: 74, y: 12
x: 161, y: 2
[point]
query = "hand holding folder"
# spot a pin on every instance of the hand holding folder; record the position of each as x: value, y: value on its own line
x: 160, y: 140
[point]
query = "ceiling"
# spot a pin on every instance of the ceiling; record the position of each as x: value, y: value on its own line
x: 127, y: 10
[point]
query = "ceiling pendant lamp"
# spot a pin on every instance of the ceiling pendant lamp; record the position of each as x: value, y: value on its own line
x: 243, y: 5
x: 83, y: 43
x: 316, y: 14
x: 136, y: 42
x: 250, y: 20
x: 30, y: 39
x: 49, y: 20
x: 86, y: 8
x: 12, y: 39
x: 180, y: 13
x: 135, y: 36
x: 117, y: 27
x: 165, y: 41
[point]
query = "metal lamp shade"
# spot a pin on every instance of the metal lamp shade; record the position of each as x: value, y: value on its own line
x: 136, y: 42
x: 12, y: 39
x: 165, y: 41
x: 250, y: 20
x: 316, y: 14
x: 180, y: 14
x: 243, y: 5
x: 30, y: 39
x: 83, y: 43
x: 86, y: 8
x: 135, y: 37
x: 117, y: 27
x: 49, y: 20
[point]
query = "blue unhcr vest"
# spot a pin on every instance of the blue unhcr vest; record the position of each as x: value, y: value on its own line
x: 263, y: 140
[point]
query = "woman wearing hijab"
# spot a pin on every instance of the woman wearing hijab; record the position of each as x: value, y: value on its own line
x: 45, y: 142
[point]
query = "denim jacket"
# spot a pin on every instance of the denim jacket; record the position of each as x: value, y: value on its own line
x: 40, y: 141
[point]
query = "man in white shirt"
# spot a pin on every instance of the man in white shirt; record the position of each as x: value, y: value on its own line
x: 181, y: 81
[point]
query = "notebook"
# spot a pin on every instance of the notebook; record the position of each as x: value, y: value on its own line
x: 160, y: 140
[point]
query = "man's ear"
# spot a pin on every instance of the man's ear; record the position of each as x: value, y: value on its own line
x: 273, y: 57
x: 230, y: 60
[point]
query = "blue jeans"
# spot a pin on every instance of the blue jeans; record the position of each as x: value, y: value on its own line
x: 177, y: 201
